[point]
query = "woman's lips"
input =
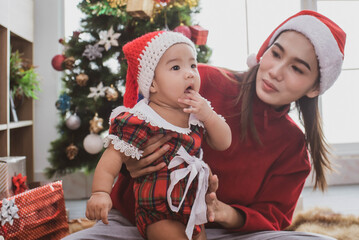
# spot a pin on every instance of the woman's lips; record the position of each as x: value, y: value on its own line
x: 268, y: 87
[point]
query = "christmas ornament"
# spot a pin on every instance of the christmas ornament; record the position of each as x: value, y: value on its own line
x: 98, y: 91
x: 8, y: 211
x: 109, y: 38
x: 63, y: 103
x: 69, y: 63
x: 199, y: 35
x: 82, y: 79
x: 93, y: 51
x: 140, y: 8
x: 116, y: 3
x: 111, y: 94
x: 72, y: 151
x: 19, y: 184
x: 93, y: 143
x: 185, y: 30
x: 96, y: 124
x: 57, y: 62
x: 73, y: 122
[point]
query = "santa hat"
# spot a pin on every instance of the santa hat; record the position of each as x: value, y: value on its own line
x: 143, y: 55
x: 327, y: 38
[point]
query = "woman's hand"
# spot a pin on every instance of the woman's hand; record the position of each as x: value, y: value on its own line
x: 218, y: 211
x: 211, y: 197
x: 141, y: 167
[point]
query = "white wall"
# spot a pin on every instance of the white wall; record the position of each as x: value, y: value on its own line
x: 48, y: 29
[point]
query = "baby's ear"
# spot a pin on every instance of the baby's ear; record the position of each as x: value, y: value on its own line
x: 153, y: 87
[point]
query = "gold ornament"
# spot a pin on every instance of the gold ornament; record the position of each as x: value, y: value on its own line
x: 117, y: 3
x: 69, y: 63
x: 71, y: 151
x: 82, y: 79
x: 96, y: 124
x: 111, y: 93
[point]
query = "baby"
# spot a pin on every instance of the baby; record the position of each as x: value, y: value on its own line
x: 163, y: 66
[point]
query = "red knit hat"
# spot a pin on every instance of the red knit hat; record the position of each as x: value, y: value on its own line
x: 327, y: 38
x: 143, y: 55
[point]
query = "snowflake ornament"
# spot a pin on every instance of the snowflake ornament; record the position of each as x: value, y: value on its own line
x: 93, y: 51
x: 109, y: 38
x: 8, y: 211
x: 98, y: 91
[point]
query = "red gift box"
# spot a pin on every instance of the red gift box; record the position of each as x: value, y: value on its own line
x: 199, y: 35
x: 35, y: 214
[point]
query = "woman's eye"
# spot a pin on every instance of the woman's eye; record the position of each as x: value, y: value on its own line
x: 194, y: 66
x: 275, y: 54
x: 175, y: 67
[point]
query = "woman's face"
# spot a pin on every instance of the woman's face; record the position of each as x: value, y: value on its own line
x: 288, y: 70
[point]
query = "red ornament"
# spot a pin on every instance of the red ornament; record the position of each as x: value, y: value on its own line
x: 199, y: 35
x: 57, y: 62
x: 185, y: 30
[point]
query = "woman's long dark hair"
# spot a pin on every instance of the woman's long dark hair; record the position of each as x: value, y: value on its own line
x: 309, y: 114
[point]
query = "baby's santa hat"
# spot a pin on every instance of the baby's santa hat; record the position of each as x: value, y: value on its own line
x: 143, y: 55
x: 327, y: 38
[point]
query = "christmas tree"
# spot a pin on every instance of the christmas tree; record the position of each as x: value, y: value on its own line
x: 95, y: 71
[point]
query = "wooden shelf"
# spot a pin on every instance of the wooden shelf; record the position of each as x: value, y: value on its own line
x: 16, y: 34
x: 20, y: 124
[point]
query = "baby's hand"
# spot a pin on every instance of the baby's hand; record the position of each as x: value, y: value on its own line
x: 197, y: 105
x: 98, y: 206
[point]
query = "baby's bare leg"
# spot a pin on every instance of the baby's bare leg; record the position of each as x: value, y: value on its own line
x: 170, y: 229
x: 166, y: 229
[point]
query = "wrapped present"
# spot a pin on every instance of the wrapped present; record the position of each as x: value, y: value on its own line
x: 199, y: 35
x: 12, y: 176
x: 140, y: 8
x: 35, y: 214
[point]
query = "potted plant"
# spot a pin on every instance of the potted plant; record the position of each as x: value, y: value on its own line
x: 23, y: 79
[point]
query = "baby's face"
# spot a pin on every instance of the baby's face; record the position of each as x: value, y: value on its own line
x: 175, y: 74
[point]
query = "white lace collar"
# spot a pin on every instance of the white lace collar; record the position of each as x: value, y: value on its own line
x: 146, y: 113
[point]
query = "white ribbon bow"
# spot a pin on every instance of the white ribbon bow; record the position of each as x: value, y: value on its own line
x: 195, y: 167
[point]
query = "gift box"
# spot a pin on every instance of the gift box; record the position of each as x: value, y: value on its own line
x: 140, y: 8
x: 199, y: 35
x: 11, y: 167
x: 35, y: 214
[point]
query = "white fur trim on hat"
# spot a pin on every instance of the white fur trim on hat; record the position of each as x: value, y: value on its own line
x: 330, y: 57
x: 252, y: 60
x: 152, y: 54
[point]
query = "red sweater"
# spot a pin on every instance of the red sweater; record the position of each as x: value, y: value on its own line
x: 263, y: 182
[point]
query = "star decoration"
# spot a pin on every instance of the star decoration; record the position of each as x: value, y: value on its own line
x: 98, y: 91
x: 109, y: 38
x: 8, y: 211
x: 93, y: 51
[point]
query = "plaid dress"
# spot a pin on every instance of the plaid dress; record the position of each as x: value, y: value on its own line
x: 129, y: 131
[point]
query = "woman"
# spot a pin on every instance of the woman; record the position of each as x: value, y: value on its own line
x: 258, y: 180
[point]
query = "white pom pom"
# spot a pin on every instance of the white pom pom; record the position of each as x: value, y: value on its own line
x: 251, y: 60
